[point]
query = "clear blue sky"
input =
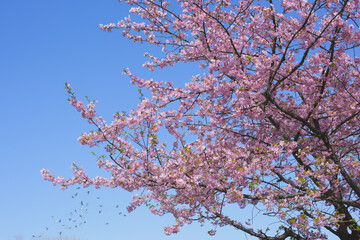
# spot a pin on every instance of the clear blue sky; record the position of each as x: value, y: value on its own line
x: 43, y: 44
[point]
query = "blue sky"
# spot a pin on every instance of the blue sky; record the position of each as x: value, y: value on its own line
x: 43, y: 44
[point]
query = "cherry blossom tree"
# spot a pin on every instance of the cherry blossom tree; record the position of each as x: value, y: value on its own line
x: 272, y: 122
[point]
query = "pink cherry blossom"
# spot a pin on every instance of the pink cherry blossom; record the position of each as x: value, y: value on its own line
x: 272, y: 123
